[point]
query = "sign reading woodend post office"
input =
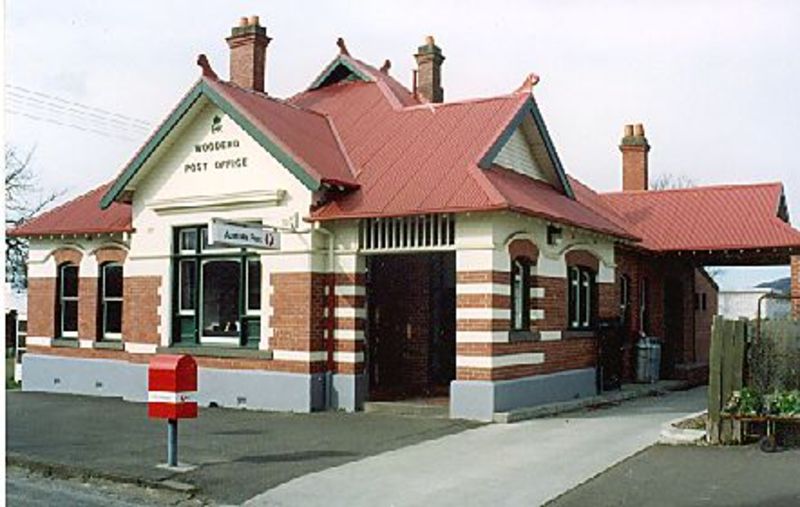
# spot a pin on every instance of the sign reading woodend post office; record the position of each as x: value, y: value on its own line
x: 238, y: 234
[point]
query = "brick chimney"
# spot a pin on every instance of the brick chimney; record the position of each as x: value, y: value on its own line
x: 248, y: 44
x: 429, y: 71
x: 795, y: 291
x: 634, y: 148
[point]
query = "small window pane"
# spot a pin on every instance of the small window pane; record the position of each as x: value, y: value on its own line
x: 113, y: 317
x: 69, y: 281
x: 221, y: 286
x: 188, y: 283
x: 254, y: 284
x: 112, y: 281
x: 69, y: 316
x: 573, y: 297
x: 585, y: 297
x: 189, y: 240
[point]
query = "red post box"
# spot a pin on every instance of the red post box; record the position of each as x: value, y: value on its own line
x: 172, y: 384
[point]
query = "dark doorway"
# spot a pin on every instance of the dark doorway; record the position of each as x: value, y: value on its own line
x: 411, y: 315
x: 672, y: 346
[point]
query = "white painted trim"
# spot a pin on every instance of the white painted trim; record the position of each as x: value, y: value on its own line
x: 482, y: 313
x: 140, y: 348
x: 348, y: 334
x: 350, y: 313
x: 197, y: 203
x: 549, y: 336
x: 537, y: 314
x: 537, y: 292
x: 299, y: 355
x: 39, y: 341
x: 171, y: 397
x: 86, y: 344
x: 500, y: 361
x: 501, y: 289
x: 348, y: 357
x: 350, y: 290
x: 481, y: 336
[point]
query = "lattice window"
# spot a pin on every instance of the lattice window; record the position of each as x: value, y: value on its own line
x: 418, y: 232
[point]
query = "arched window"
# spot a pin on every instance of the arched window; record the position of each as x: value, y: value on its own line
x: 582, y: 300
x: 110, y: 306
x: 67, y: 318
x: 520, y: 294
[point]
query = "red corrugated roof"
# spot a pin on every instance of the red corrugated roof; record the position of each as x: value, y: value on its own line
x: 541, y: 199
x: 706, y: 218
x: 81, y: 215
x: 307, y: 136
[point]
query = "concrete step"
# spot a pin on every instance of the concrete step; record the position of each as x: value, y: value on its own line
x: 409, y: 408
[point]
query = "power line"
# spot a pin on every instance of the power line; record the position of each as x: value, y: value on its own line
x: 80, y: 105
x: 32, y: 105
x: 69, y: 125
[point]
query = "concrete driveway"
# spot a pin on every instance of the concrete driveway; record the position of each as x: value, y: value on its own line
x: 522, y: 464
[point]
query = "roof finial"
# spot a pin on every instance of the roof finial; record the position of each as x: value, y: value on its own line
x: 387, y: 64
x: 342, y: 47
x: 530, y: 81
x: 202, y: 61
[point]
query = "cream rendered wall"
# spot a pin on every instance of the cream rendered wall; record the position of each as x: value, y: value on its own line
x: 41, y: 263
x: 482, y: 240
x: 169, y: 196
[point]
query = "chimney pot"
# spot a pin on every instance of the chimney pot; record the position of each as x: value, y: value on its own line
x: 634, y: 148
x: 429, y: 41
x: 254, y: 20
x: 243, y: 21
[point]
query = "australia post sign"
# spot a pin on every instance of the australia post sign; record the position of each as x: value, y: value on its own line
x: 171, y: 387
x: 241, y: 234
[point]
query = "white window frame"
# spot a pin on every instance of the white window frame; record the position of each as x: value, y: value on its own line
x: 104, y: 298
x: 207, y: 339
x: 62, y: 299
x: 181, y: 310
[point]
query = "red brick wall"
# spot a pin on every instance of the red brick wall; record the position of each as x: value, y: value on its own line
x: 298, y: 303
x: 70, y: 255
x: 140, y: 319
x: 704, y: 319
x: 109, y: 254
x: 41, y: 306
x: 554, y: 303
x: 87, y: 308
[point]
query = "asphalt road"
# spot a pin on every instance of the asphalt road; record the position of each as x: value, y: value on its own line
x: 694, y: 476
x: 238, y: 453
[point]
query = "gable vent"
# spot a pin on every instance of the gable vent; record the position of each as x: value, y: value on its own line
x: 419, y: 232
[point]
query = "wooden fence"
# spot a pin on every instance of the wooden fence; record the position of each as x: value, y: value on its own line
x: 764, y: 356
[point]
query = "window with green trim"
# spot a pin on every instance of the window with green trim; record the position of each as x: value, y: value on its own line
x: 216, y: 292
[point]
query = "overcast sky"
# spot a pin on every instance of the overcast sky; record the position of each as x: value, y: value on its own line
x: 715, y: 83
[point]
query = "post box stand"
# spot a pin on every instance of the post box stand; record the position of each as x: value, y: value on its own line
x: 172, y: 382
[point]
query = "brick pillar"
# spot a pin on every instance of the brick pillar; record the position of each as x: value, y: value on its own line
x: 41, y: 310
x: 349, y: 389
x: 87, y: 311
x: 795, y: 291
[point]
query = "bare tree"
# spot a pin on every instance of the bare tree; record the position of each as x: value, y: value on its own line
x: 24, y: 199
x: 668, y: 181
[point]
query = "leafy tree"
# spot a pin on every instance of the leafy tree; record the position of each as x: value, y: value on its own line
x: 24, y: 199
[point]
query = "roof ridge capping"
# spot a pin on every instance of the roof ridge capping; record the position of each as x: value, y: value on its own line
x: 699, y: 188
